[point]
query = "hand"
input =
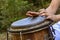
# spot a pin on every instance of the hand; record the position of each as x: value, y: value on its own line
x: 31, y: 13
x: 53, y: 17
x: 44, y: 12
x: 40, y: 12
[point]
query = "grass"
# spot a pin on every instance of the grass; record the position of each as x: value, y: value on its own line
x: 3, y: 36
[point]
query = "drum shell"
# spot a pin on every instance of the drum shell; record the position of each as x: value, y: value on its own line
x: 40, y: 35
x: 35, y: 33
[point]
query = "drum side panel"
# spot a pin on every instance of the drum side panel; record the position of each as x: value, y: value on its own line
x: 28, y: 36
x: 41, y: 35
x: 15, y: 36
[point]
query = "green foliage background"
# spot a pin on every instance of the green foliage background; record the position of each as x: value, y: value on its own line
x: 12, y: 10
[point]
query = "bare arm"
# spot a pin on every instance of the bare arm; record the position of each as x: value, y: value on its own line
x: 51, y: 10
x: 53, y: 6
x: 48, y: 11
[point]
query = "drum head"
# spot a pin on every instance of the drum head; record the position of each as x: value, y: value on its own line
x: 28, y: 22
x: 30, y: 25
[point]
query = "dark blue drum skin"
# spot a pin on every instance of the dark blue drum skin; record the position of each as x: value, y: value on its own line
x: 29, y: 21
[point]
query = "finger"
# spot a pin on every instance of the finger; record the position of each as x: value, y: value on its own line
x: 43, y: 14
x: 48, y: 17
x: 34, y: 13
x: 29, y: 15
x: 28, y: 12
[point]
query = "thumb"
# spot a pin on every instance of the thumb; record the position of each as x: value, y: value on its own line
x: 48, y: 17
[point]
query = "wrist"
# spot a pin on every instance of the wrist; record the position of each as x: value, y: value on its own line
x: 58, y: 17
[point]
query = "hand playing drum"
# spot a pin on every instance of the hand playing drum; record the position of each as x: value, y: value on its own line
x: 43, y: 12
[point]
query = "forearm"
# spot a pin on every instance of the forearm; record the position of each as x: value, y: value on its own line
x: 53, y: 6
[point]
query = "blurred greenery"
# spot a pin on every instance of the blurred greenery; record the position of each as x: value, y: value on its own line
x: 12, y: 10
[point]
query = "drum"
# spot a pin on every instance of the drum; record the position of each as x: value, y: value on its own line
x: 36, y: 28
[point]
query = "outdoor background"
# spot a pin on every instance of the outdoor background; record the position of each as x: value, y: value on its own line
x: 12, y: 10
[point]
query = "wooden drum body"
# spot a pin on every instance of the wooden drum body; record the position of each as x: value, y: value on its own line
x: 39, y: 31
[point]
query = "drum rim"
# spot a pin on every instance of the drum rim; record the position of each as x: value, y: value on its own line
x: 32, y: 29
